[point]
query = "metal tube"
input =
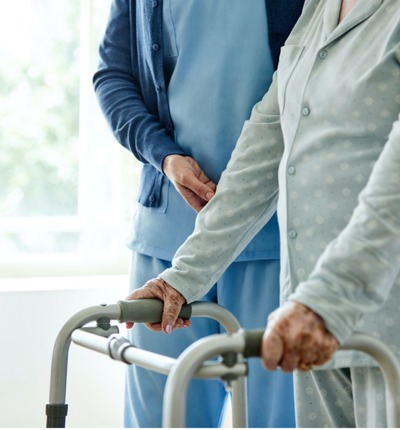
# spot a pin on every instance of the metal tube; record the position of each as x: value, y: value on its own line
x: 150, y: 360
x: 239, y: 402
x: 389, y: 366
x: 218, y: 313
x: 146, y: 359
x: 59, y: 362
x: 174, y: 408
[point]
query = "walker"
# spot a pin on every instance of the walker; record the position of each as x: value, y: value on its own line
x: 232, y: 349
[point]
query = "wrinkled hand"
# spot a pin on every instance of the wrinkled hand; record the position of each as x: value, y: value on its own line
x: 173, y: 300
x: 190, y: 181
x: 296, y: 338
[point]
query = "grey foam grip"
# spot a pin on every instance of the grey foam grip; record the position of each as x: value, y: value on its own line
x: 147, y: 310
x: 253, y: 340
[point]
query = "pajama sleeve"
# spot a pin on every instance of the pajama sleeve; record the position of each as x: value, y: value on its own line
x: 356, y: 273
x: 244, y: 202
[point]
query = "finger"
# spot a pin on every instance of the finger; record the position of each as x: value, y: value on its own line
x: 187, y: 323
x: 154, y: 326
x: 271, y: 349
x: 129, y: 325
x: 309, y: 358
x: 179, y: 323
x: 170, y: 315
x: 208, y: 182
x: 194, y: 201
x: 328, y: 348
x: 290, y: 361
x: 200, y: 187
x: 202, y: 191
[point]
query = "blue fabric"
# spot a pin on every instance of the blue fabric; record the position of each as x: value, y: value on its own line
x: 155, y: 233
x: 130, y: 82
x: 132, y: 87
x: 249, y: 290
x: 209, y: 63
x: 214, y: 79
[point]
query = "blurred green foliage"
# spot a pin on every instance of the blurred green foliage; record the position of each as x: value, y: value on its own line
x: 39, y: 112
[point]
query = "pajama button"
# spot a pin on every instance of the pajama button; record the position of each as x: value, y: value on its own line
x: 292, y: 233
x: 322, y: 54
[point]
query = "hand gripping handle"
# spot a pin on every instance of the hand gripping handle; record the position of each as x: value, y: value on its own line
x: 147, y: 311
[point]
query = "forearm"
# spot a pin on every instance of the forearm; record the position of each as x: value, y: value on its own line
x: 245, y: 200
x: 356, y: 272
x: 127, y: 97
x: 131, y: 122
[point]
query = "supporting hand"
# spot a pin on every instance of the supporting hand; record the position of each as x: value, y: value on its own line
x: 173, y: 301
x: 296, y: 338
x: 190, y: 181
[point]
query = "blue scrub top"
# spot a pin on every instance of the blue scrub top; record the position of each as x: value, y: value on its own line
x: 217, y: 64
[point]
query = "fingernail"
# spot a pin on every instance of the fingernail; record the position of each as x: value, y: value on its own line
x: 168, y: 329
x: 209, y: 195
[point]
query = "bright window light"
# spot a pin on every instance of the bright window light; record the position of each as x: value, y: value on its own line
x: 66, y: 185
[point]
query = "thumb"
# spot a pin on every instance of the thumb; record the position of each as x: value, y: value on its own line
x: 271, y: 349
x: 202, y: 187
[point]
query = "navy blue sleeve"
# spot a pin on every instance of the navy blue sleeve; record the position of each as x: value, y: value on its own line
x: 134, y: 104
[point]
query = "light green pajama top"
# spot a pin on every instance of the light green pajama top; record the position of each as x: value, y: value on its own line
x: 324, y: 146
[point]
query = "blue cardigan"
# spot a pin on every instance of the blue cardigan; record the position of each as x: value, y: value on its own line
x: 130, y: 82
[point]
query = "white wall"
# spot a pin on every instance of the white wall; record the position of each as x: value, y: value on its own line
x: 31, y: 314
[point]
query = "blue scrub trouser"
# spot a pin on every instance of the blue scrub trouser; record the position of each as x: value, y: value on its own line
x: 250, y: 290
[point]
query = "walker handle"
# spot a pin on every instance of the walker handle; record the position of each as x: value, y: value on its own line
x: 147, y: 310
x: 253, y: 340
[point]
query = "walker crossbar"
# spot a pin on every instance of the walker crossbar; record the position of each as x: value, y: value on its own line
x: 159, y: 363
x: 248, y: 342
x: 144, y: 310
x: 233, y: 348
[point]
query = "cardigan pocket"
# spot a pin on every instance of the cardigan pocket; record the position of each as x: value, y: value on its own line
x: 153, y: 190
x: 288, y: 60
x: 153, y: 193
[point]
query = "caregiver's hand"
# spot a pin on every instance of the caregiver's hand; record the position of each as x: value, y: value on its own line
x: 173, y: 300
x: 296, y: 338
x: 189, y: 180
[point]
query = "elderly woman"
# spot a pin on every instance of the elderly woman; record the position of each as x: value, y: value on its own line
x: 323, y: 145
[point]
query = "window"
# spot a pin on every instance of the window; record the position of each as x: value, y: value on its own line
x: 65, y: 184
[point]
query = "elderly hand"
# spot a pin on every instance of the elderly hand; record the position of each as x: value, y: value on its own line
x: 173, y: 300
x: 190, y: 181
x: 296, y: 338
